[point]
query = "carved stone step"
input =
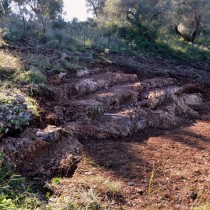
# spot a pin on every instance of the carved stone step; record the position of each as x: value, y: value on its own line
x: 123, y: 123
x: 90, y: 84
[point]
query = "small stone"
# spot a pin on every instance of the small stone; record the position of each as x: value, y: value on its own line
x: 25, y: 106
x: 176, y: 188
x: 9, y: 117
x: 20, y: 99
x: 167, y: 196
x: 107, y: 51
x: 82, y: 72
x: 64, y: 56
x: 130, y: 184
x: 88, y: 173
x: 193, y: 195
x: 140, y: 191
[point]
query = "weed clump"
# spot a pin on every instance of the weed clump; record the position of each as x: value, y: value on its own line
x: 89, y: 193
x: 9, y: 64
x: 15, y: 193
x: 16, y: 111
x: 31, y: 76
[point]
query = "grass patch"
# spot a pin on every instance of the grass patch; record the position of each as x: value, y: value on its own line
x: 9, y: 64
x: 106, y: 186
x: 31, y: 76
x: 42, y: 62
x: 71, y: 65
x: 93, y: 163
x: 179, y: 49
x: 15, y: 192
x: 56, y: 180
x: 92, y: 193
x: 110, y: 164
x: 206, y: 207
x: 81, y: 198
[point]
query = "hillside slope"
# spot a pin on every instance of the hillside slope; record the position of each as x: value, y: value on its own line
x: 139, y: 124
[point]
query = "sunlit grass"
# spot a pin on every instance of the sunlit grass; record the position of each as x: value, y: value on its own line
x: 79, y: 198
x: 105, y: 185
x: 93, y: 192
x: 9, y: 64
x: 206, y: 207
x: 31, y: 76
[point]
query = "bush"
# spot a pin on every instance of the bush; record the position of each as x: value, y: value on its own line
x: 53, y: 44
x: 32, y: 76
x: 15, y: 193
x: 16, y: 111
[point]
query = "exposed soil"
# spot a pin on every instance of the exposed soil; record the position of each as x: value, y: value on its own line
x: 179, y: 157
x: 130, y: 127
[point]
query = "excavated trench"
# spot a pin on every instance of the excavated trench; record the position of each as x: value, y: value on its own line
x: 98, y: 103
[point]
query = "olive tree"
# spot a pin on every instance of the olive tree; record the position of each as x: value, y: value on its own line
x: 5, y: 7
x: 141, y: 15
x: 95, y: 6
x: 189, y: 16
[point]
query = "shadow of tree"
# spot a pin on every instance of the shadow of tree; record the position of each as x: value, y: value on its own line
x: 118, y: 157
x: 132, y: 158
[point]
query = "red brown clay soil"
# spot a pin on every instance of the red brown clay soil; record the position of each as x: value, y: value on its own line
x: 152, y: 136
x: 178, y: 157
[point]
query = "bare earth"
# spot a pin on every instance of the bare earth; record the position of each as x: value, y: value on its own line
x: 179, y: 158
x: 152, y: 137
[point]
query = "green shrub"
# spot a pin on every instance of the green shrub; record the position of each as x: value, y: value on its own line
x: 53, y: 44
x: 31, y: 76
x: 15, y: 192
x: 17, y: 110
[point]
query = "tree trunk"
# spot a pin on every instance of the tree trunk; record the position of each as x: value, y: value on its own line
x: 190, y: 37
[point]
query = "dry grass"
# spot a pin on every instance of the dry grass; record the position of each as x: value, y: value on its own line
x: 105, y: 186
x: 207, y: 207
x: 77, y: 198
x: 9, y: 64
x: 92, y: 192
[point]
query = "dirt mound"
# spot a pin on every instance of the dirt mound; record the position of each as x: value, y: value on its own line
x: 56, y: 151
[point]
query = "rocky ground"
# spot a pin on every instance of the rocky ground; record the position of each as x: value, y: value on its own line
x: 122, y: 138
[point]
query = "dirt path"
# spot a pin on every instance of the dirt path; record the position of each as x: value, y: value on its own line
x: 179, y: 159
x: 120, y: 120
